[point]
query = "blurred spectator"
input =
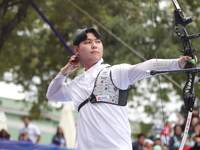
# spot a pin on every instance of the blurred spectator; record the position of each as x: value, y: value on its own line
x: 183, y: 114
x: 4, y: 135
x: 196, y: 108
x: 157, y: 147
x: 24, y: 137
x: 59, y: 138
x: 165, y: 133
x: 167, y: 128
x: 165, y: 138
x: 194, y: 121
x: 188, y: 143
x: 196, y: 131
x: 137, y: 145
x: 175, y: 139
x: 156, y: 129
x: 197, y: 143
x: 158, y: 143
x: 148, y: 144
x: 32, y: 130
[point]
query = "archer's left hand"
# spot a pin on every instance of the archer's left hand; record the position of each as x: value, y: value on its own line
x: 183, y: 60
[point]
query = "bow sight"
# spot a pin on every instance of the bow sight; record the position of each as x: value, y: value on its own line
x: 180, y: 19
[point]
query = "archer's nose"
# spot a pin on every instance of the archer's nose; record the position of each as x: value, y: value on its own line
x: 94, y: 45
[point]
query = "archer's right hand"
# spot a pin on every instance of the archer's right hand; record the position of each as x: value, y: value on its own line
x: 71, y: 65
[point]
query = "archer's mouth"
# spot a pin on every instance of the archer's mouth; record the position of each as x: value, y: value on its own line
x: 94, y: 52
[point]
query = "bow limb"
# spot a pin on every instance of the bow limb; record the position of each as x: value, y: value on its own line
x: 185, y: 133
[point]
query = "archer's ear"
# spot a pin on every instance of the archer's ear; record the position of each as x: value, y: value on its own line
x: 76, y: 50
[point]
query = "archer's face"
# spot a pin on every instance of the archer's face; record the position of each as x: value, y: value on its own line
x: 26, y: 121
x: 90, y: 51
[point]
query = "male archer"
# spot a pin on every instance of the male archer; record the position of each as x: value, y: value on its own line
x: 100, y: 93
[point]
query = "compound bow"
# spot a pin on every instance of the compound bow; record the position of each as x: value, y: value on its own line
x: 189, y: 97
x: 188, y: 50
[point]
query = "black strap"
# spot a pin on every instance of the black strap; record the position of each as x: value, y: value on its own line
x: 91, y: 96
x: 82, y: 104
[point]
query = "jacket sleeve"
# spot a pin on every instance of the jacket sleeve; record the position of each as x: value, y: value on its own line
x: 56, y: 88
x: 139, y: 71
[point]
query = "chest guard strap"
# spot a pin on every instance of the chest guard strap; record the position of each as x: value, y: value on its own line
x: 105, y: 91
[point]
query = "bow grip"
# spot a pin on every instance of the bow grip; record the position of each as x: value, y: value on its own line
x: 190, y: 63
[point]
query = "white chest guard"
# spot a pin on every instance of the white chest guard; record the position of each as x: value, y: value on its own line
x: 105, y: 91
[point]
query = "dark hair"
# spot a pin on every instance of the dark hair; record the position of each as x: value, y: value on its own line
x: 140, y: 135
x: 6, y: 136
x: 26, y: 117
x: 80, y: 35
x: 57, y: 131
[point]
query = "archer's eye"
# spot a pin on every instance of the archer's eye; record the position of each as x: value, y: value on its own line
x: 87, y: 42
x: 98, y: 41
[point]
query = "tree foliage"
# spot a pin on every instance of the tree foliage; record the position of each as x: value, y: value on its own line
x: 16, y: 9
x: 33, y: 54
